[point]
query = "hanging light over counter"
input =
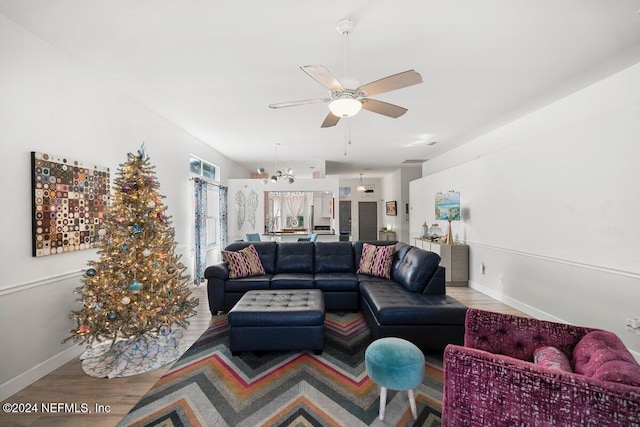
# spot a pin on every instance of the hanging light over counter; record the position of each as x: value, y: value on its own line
x: 287, y: 175
x: 360, y: 186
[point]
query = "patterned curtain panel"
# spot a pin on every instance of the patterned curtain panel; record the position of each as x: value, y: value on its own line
x: 223, y: 216
x: 294, y: 203
x: 200, y: 191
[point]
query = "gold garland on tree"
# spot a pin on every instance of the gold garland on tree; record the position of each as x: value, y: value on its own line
x: 137, y: 286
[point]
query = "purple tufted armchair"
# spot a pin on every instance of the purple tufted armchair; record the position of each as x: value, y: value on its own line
x: 492, y: 380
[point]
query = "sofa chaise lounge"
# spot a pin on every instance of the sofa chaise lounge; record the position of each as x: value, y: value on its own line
x: 411, y: 303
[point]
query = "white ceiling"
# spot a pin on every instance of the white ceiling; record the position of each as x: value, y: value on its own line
x: 212, y: 67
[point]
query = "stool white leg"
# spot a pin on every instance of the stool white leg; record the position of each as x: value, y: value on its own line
x: 412, y: 403
x: 383, y: 401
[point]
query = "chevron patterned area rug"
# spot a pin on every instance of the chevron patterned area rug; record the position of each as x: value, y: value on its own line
x: 208, y: 386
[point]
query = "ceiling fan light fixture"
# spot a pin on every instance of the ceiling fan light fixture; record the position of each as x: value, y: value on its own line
x: 348, y: 96
x: 345, y: 107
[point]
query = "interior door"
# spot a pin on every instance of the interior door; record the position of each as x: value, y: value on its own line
x: 367, y: 221
x: 345, y: 220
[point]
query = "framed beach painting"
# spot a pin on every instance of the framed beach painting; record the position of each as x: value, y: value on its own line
x: 448, y: 206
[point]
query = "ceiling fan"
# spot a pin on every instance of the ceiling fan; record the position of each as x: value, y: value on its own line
x: 347, y: 95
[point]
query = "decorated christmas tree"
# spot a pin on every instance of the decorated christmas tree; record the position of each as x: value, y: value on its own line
x: 136, y: 292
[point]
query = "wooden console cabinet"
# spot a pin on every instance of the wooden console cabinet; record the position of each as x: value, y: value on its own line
x: 454, y: 258
x: 387, y: 235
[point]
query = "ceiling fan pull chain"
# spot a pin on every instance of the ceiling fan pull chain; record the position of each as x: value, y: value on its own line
x: 345, y: 143
x: 347, y: 137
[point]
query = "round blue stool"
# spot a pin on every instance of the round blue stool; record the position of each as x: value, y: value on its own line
x: 396, y: 364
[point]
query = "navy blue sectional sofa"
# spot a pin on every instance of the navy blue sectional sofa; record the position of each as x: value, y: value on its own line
x: 412, y: 304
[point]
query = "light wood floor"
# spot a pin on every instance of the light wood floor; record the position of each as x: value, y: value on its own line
x: 70, y: 384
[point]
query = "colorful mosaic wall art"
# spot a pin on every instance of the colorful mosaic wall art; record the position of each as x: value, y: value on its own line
x: 70, y: 200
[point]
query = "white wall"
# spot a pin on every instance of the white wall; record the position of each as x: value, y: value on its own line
x: 395, y: 186
x: 389, y: 192
x: 358, y: 196
x: 392, y: 187
x: 550, y: 204
x: 51, y: 104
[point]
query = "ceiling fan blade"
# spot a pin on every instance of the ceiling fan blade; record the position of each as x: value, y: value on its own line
x: 383, y: 108
x: 330, y: 120
x: 323, y: 76
x: 394, y: 82
x: 303, y: 102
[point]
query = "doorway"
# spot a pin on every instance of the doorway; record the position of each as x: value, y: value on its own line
x: 368, y: 221
x: 345, y: 220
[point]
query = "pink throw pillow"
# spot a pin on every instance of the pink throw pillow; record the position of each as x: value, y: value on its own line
x: 552, y: 358
x: 243, y: 263
x: 603, y: 356
x: 376, y: 260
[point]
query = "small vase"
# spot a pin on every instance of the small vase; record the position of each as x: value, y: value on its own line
x: 435, y: 232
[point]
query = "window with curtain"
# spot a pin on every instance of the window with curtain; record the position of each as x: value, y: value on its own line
x: 209, y: 214
x: 201, y: 233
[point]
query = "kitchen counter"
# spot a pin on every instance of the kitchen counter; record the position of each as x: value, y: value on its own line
x: 300, y: 233
x: 323, y: 236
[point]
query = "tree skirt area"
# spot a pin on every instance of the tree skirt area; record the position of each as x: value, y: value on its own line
x: 131, y: 356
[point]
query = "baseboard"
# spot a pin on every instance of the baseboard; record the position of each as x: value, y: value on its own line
x: 27, y: 378
x: 526, y: 308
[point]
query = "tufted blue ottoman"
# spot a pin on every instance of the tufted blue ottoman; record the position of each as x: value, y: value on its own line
x: 277, y: 320
x: 396, y: 364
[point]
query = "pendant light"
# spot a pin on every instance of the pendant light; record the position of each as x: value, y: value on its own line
x: 360, y: 187
x: 287, y: 175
